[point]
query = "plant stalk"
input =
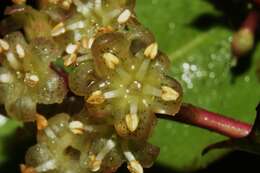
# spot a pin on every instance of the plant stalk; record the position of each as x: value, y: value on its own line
x: 215, y: 122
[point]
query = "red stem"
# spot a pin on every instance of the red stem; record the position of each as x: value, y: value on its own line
x: 251, y: 21
x: 212, y: 121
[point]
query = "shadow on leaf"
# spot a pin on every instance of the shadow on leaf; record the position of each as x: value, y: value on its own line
x: 232, y: 13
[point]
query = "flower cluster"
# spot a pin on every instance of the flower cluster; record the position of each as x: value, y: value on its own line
x: 99, y: 52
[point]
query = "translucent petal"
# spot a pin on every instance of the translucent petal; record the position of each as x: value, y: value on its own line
x: 82, y: 78
x: 169, y: 107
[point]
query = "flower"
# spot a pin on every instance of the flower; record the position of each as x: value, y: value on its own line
x: 97, y: 148
x: 25, y: 77
x: 125, y: 87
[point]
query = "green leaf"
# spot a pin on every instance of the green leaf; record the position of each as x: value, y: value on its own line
x: 7, y: 129
x: 201, y: 61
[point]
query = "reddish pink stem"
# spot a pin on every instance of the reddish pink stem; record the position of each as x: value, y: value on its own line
x: 212, y: 121
x: 61, y: 73
x: 251, y: 21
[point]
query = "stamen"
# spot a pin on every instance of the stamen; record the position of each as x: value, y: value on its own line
x: 76, y: 127
x: 83, y: 8
x: 133, y: 165
x: 90, y: 42
x: 4, y: 44
x: 124, y: 16
x: 76, y: 25
x: 96, y: 161
x: 20, y: 51
x: 11, y: 58
x: 98, y: 4
x: 112, y: 14
x: 41, y: 122
x: 132, y: 119
x: 111, y: 60
x: 96, y: 98
x: 47, y: 166
x: 58, y: 30
x: 143, y: 70
x: 77, y: 36
x: 71, y: 59
x: 169, y: 94
x: 72, y: 48
x: 83, y: 58
x: 49, y: 133
x: 151, y: 51
x: 112, y: 94
x: 84, y: 42
x: 6, y: 78
x: 31, y: 80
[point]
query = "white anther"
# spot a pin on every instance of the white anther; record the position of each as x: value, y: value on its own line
x: 72, y: 48
x: 58, y: 29
x: 124, y: 16
x: 169, y: 94
x: 151, y: 51
x: 70, y: 59
x: 11, y: 58
x: 98, y: 4
x: 83, y: 58
x: 96, y: 161
x: 50, y: 133
x: 82, y: 8
x: 133, y: 165
x: 6, y: 78
x: 111, y: 60
x: 96, y: 98
x: 20, y: 51
x: 132, y: 119
x: 4, y: 45
x: 77, y: 127
x: 76, y: 25
x: 90, y: 42
x: 77, y: 36
x: 112, y: 94
x: 31, y: 79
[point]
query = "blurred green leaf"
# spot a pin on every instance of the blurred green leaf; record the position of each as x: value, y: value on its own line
x: 201, y: 61
x: 7, y: 129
